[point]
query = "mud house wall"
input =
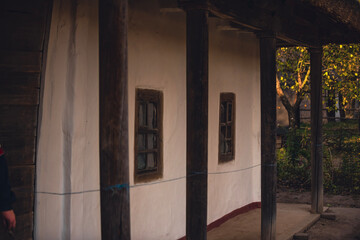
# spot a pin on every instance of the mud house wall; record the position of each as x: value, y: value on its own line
x: 234, y: 67
x: 67, y: 177
x: 68, y: 200
x: 157, y: 60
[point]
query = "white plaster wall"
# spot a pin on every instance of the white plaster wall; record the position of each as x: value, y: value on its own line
x: 157, y: 58
x: 67, y: 178
x: 234, y: 66
x: 68, y: 157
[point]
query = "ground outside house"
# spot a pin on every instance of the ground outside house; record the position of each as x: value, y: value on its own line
x: 346, y: 209
x: 341, y: 172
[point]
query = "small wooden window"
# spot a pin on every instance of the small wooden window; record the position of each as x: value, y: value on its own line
x: 148, y: 135
x: 227, y: 127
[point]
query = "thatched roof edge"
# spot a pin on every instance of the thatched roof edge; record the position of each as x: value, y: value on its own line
x: 345, y: 11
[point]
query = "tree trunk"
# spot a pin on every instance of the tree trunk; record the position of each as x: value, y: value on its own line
x: 294, y: 117
x: 357, y: 111
x: 297, y: 116
x: 331, y: 105
x: 341, y: 108
x: 293, y: 110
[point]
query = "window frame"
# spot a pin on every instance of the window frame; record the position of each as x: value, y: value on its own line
x: 149, y: 95
x: 227, y: 97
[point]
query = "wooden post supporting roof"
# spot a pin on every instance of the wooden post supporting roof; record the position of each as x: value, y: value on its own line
x: 316, y: 131
x: 114, y: 146
x: 197, y: 123
x: 268, y: 135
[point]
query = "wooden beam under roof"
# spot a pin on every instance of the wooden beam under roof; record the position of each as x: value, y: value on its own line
x: 294, y: 22
x: 169, y: 6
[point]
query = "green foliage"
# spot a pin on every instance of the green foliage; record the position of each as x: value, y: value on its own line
x: 341, y: 72
x: 341, y: 164
x: 293, y: 160
x: 336, y: 133
x: 292, y: 80
x: 292, y: 67
x: 348, y: 175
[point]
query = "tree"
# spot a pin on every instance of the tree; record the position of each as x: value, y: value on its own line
x: 340, y: 77
x: 292, y: 80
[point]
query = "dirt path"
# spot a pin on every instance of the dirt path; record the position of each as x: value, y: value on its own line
x: 290, y: 196
x: 345, y: 207
x: 345, y: 227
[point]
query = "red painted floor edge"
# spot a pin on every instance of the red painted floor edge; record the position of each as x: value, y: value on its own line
x: 230, y: 215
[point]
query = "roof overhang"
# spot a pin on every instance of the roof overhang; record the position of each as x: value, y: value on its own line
x: 309, y: 23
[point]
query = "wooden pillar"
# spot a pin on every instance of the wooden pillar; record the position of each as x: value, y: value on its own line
x: 114, y: 146
x: 268, y: 135
x: 197, y: 122
x: 316, y: 131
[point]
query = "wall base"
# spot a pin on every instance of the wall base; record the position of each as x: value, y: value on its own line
x: 230, y: 215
